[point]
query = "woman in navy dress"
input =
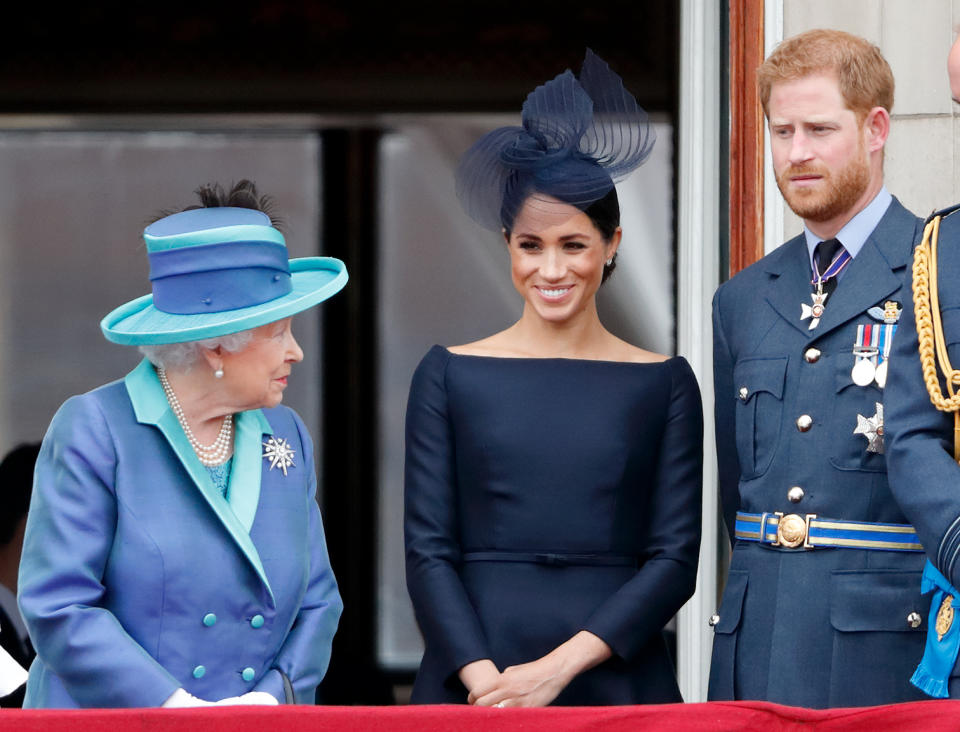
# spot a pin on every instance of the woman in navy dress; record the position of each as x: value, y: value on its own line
x: 553, y: 471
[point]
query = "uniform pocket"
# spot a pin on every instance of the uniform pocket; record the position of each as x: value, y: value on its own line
x: 875, y: 646
x: 759, y: 393
x: 724, y: 660
x: 849, y: 450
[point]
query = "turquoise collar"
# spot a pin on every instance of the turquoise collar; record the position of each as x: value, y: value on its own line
x: 151, y: 407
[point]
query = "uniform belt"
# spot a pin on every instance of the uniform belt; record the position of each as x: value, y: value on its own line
x: 809, y: 531
x: 553, y: 559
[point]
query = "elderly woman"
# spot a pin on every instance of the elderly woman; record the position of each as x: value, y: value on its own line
x: 553, y: 470
x: 174, y: 551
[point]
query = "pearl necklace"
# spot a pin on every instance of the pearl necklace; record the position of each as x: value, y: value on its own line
x: 210, y: 455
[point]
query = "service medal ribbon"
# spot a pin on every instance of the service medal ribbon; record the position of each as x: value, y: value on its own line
x: 865, y: 350
x: 883, y: 354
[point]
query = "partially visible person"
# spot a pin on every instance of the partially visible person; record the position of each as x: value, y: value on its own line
x: 922, y: 411
x: 820, y: 608
x: 553, y: 470
x: 174, y: 551
x: 16, y: 482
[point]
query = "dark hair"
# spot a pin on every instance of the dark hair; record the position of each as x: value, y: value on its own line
x: 16, y: 484
x: 604, y: 213
x: 242, y: 194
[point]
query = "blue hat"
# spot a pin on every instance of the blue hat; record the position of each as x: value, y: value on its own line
x: 578, y: 136
x: 216, y: 271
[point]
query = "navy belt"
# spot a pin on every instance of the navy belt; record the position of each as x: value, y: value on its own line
x: 553, y: 559
x: 808, y: 531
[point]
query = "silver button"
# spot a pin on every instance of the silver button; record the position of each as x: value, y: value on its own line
x: 744, y: 393
x: 914, y: 620
x: 811, y: 355
x: 804, y: 422
x: 714, y: 619
x: 795, y: 494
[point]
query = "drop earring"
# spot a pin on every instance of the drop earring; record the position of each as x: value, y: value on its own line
x: 218, y: 374
x: 610, y: 261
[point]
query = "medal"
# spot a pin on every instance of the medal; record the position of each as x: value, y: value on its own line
x: 863, y: 372
x: 944, y: 617
x: 865, y: 350
x: 872, y: 429
x: 881, y: 376
x: 886, y: 339
x: 815, y: 311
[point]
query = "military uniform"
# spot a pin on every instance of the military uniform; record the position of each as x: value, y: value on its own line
x: 924, y: 475
x: 809, y: 615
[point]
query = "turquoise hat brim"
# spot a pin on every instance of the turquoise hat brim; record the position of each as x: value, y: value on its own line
x: 139, y: 323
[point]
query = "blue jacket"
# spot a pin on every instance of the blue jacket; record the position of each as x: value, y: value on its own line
x: 923, y: 474
x: 138, y: 577
x: 821, y: 627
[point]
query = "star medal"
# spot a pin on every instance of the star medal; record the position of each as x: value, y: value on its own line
x: 872, y: 429
x: 815, y: 311
x: 865, y: 352
x: 279, y: 453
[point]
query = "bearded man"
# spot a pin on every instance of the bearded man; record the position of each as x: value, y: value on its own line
x: 822, y: 605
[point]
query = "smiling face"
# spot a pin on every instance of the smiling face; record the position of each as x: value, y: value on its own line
x: 556, y: 257
x: 828, y: 163
x: 256, y: 376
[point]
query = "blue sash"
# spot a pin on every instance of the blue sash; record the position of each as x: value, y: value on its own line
x: 939, y: 657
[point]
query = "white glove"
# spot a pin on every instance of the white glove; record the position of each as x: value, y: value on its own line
x: 183, y: 698
x: 260, y: 698
x: 12, y: 676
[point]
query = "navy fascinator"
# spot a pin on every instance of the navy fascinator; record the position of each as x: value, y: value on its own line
x: 578, y: 136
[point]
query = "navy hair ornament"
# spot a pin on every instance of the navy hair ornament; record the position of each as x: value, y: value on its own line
x: 578, y: 136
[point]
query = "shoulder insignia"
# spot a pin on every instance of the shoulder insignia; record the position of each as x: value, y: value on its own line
x: 943, y: 212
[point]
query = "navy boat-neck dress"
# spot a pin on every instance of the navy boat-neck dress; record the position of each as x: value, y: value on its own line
x: 548, y: 496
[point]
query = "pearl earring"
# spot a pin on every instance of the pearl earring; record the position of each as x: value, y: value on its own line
x: 218, y: 374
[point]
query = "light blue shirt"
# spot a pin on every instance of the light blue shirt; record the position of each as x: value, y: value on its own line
x: 855, y: 232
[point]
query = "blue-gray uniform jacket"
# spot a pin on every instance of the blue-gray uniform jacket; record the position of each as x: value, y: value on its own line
x: 824, y: 626
x: 924, y: 477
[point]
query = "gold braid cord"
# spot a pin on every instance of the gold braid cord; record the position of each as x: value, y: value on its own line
x: 926, y: 304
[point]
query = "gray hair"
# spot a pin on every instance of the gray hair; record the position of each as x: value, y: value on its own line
x: 184, y: 356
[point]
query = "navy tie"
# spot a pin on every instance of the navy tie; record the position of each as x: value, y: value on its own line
x: 824, y: 253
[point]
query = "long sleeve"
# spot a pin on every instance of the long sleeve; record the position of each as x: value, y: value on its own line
x: 667, y: 577
x: 725, y: 422
x: 305, y: 653
x: 444, y: 612
x: 924, y: 478
x: 70, y: 532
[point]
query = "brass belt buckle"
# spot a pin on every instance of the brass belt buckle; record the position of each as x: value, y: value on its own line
x: 793, y: 530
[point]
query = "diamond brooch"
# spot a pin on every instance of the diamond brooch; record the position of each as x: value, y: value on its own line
x: 279, y: 453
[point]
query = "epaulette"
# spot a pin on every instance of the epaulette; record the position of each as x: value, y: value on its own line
x: 942, y: 213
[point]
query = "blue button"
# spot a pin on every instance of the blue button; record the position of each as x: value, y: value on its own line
x: 199, y: 671
x: 209, y: 619
x: 257, y: 621
x: 248, y: 674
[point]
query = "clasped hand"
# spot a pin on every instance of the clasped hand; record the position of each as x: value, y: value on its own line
x: 537, y: 683
x: 533, y: 684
